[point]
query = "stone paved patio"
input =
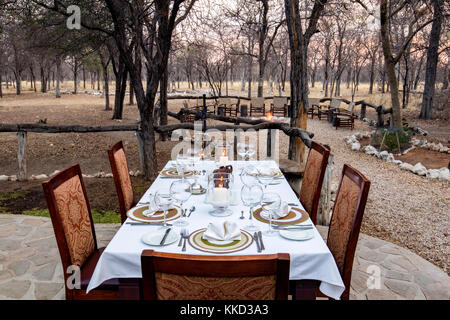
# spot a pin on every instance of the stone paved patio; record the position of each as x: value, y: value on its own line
x: 30, y: 265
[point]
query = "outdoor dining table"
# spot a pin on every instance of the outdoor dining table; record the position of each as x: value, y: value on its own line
x: 311, y: 262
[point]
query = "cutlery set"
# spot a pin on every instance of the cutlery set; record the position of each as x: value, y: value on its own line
x: 184, y: 233
x: 259, y: 241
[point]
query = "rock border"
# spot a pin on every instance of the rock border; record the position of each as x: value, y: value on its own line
x: 442, y: 174
x: 100, y: 174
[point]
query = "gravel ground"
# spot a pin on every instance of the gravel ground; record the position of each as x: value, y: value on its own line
x: 402, y: 208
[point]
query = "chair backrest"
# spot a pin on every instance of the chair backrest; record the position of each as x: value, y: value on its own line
x: 122, y: 180
x: 279, y: 102
x: 316, y: 165
x: 350, y: 107
x: 346, y: 220
x: 71, y: 217
x: 313, y: 102
x: 257, y: 102
x: 168, y: 276
x: 335, y: 103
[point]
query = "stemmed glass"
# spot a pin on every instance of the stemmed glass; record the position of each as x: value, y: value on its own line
x: 180, y: 192
x: 251, y: 196
x: 271, y: 203
x: 164, y: 202
x: 249, y: 175
x: 181, y: 164
x: 265, y: 177
x: 245, y: 150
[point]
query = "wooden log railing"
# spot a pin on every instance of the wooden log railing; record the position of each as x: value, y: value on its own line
x: 23, y: 129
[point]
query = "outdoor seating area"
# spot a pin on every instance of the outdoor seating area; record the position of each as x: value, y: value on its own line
x: 185, y: 196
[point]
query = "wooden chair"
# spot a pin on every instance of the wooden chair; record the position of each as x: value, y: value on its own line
x: 169, y: 276
x: 279, y: 106
x: 346, y: 220
x: 230, y: 109
x: 187, y: 117
x: 316, y: 165
x: 324, y: 112
x: 344, y: 117
x: 75, y: 234
x: 257, y: 106
x: 122, y: 180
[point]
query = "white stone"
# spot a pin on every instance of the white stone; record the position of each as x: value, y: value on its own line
x: 108, y: 175
x: 132, y: 173
x: 406, y: 166
x: 370, y: 150
x: 399, y: 162
x: 54, y: 173
x: 41, y: 177
x: 356, y: 146
x: 4, y: 178
x: 358, y: 135
x: 13, y: 178
x: 444, y: 174
x: 384, y: 155
x: 137, y: 173
x: 419, y: 169
x: 433, y: 173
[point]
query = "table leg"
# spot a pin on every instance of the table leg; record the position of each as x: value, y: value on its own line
x: 130, y: 289
x: 304, y: 289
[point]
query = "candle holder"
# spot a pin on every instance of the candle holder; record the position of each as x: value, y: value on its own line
x: 222, y: 154
x: 219, y: 194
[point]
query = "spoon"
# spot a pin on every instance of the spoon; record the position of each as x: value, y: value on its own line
x: 242, y: 215
x: 190, y: 212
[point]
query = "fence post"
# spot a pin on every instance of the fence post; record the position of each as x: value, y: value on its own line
x: 363, y: 111
x: 22, y: 155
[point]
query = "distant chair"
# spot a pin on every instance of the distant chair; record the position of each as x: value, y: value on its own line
x: 122, y: 180
x: 312, y: 181
x: 345, y: 222
x: 172, y: 276
x: 279, y: 106
x: 73, y: 225
x: 344, y: 117
x: 257, y: 106
x: 230, y: 109
x: 326, y: 113
x: 314, y: 107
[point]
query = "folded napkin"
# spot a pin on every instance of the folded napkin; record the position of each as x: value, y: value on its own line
x: 283, y: 212
x: 222, y: 231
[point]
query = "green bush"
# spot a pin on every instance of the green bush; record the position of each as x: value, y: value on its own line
x: 390, y: 142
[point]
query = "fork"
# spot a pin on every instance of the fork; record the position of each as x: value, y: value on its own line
x: 185, y: 237
x: 181, y: 238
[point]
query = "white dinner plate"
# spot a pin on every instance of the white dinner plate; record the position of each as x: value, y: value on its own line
x: 154, y: 238
x: 298, y: 235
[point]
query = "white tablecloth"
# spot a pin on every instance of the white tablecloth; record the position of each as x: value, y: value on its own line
x: 310, y: 259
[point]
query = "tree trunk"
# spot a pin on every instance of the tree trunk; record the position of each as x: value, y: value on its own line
x: 163, y: 101
x: 249, y: 69
x: 372, y: 72
x: 58, y: 78
x: 106, y: 87
x: 432, y: 58
x: 390, y: 65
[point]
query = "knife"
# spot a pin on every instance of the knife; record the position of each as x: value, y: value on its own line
x: 261, y: 241
x: 257, y: 243
x: 147, y: 224
x: 165, y: 236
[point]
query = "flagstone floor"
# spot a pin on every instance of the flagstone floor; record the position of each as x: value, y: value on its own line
x: 30, y: 266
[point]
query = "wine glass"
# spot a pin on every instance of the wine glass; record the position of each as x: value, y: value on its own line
x: 249, y: 175
x: 251, y: 150
x: 242, y: 150
x: 181, y: 164
x: 180, y: 192
x: 165, y: 203
x: 251, y: 196
x: 265, y: 176
x: 271, y: 203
